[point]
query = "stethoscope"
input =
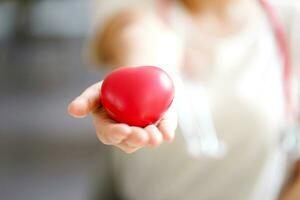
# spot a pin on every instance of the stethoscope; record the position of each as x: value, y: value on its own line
x: 209, y: 144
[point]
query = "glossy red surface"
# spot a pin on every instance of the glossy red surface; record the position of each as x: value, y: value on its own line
x: 137, y: 96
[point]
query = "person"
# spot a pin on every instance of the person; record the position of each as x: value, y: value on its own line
x: 227, y: 49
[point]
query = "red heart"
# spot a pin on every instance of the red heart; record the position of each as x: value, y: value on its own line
x: 137, y: 96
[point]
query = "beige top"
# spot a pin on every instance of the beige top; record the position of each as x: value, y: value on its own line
x: 243, y: 89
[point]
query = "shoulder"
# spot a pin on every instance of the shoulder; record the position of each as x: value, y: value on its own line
x: 286, y: 5
x: 289, y: 10
x: 142, y: 29
x: 135, y: 32
x: 119, y: 30
x: 289, y: 13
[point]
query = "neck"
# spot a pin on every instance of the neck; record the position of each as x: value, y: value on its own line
x: 199, y: 6
x: 225, y: 19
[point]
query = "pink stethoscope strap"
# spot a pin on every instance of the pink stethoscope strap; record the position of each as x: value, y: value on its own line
x: 283, y: 47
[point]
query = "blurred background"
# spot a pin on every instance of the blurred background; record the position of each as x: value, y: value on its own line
x: 44, y: 153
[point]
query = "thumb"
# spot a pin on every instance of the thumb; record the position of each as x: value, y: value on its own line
x: 87, y: 102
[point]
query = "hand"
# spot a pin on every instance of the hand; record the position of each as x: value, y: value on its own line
x: 292, y: 190
x: 127, y: 138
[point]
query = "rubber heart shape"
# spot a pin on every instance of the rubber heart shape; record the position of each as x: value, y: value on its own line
x: 137, y: 96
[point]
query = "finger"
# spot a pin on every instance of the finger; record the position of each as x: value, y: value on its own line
x: 108, y: 131
x: 168, y: 125
x: 155, y: 136
x: 86, y: 102
x: 167, y: 130
x: 137, y: 139
x: 124, y: 147
x: 116, y: 133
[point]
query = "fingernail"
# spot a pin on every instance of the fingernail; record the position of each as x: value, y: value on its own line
x: 79, y: 108
x: 131, y: 144
x: 171, y: 133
